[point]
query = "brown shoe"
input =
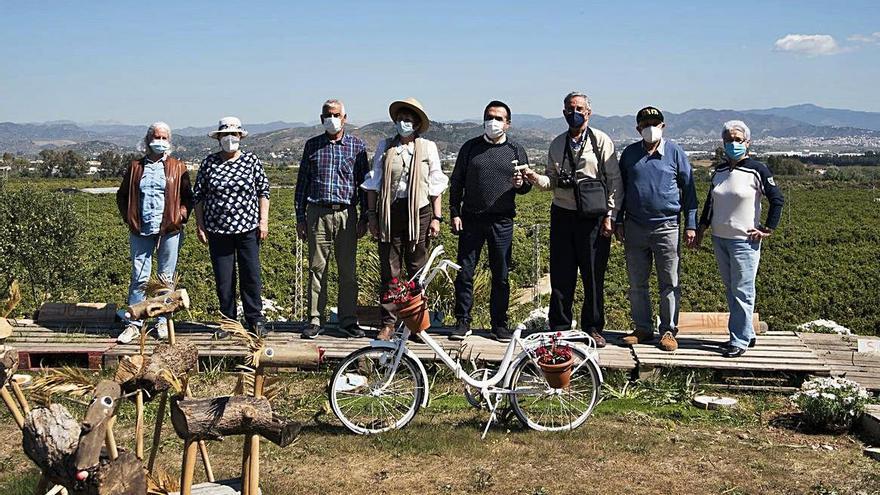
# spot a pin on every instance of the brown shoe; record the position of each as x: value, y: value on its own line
x: 668, y: 342
x: 600, y: 340
x: 385, y: 333
x: 638, y: 337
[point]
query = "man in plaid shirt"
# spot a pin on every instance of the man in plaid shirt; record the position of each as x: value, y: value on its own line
x: 331, y: 171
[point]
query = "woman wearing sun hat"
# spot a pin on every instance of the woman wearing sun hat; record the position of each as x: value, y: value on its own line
x: 404, y: 191
x: 232, y: 210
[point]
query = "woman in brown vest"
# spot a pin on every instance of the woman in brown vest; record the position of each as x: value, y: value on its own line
x: 154, y: 199
x: 404, y: 192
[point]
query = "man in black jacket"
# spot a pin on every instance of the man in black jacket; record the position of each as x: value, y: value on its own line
x: 484, y: 184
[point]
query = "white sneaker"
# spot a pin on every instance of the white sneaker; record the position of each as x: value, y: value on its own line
x: 130, y: 333
x: 161, y: 330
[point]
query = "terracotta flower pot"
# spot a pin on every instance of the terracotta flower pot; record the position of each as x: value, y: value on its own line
x: 558, y: 375
x: 414, y: 314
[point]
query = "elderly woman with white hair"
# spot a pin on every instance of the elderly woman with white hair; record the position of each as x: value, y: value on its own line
x: 733, y: 212
x: 154, y: 199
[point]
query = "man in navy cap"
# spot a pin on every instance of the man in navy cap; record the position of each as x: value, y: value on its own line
x: 659, y: 190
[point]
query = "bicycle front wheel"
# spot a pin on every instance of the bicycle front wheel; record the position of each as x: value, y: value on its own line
x: 543, y: 408
x: 369, y: 396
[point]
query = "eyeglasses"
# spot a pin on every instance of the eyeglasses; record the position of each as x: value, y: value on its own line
x: 328, y: 115
x: 499, y: 119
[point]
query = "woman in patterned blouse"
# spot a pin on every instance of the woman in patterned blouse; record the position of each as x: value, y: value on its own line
x: 232, y: 210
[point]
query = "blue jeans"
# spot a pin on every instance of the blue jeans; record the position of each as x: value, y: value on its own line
x: 142, y: 248
x: 738, y: 263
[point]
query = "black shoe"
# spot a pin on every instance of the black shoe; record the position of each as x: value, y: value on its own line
x: 461, y: 331
x: 259, y: 328
x: 220, y: 334
x: 354, y: 330
x: 752, y: 343
x: 312, y: 332
x: 733, y: 352
x: 502, y: 334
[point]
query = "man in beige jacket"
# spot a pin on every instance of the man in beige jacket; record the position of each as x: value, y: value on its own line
x: 579, y: 239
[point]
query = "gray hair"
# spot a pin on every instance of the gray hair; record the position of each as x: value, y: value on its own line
x: 144, y: 145
x: 577, y: 94
x: 332, y: 102
x: 736, y: 125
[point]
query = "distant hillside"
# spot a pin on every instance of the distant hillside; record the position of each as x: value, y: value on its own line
x: 286, y: 139
x: 820, y: 116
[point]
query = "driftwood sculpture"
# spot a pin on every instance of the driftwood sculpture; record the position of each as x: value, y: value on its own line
x: 8, y: 367
x: 159, y: 305
x: 218, y: 417
x: 155, y: 374
x: 69, y: 453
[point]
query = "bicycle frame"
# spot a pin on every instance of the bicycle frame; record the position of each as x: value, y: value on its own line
x: 488, y: 386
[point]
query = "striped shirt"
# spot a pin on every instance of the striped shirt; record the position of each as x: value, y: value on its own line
x: 733, y: 205
x: 330, y: 173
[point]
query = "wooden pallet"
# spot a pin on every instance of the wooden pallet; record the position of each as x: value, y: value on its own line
x: 776, y: 351
x: 39, y: 345
x: 839, y: 352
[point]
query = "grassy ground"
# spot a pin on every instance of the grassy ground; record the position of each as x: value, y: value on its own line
x: 647, y: 440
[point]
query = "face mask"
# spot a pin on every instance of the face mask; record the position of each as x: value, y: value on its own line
x: 735, y: 151
x: 652, y: 134
x: 405, y: 129
x: 494, y: 128
x: 575, y: 119
x: 159, y: 146
x: 229, y: 143
x: 332, y: 125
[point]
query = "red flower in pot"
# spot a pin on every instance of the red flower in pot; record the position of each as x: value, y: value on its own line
x: 556, y: 361
x: 407, y: 300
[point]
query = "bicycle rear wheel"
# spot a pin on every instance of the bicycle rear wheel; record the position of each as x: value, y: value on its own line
x: 363, y: 398
x: 543, y: 408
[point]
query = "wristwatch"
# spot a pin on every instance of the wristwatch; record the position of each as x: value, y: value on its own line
x: 439, y: 219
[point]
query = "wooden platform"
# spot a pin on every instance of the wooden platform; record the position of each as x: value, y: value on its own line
x: 840, y: 353
x: 777, y: 353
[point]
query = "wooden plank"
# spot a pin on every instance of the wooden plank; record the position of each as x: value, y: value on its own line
x: 709, y: 323
x: 76, y: 313
x: 729, y: 364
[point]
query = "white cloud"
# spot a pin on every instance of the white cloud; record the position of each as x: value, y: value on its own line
x: 808, y: 44
x: 863, y: 38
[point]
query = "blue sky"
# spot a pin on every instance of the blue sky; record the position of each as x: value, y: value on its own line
x: 191, y: 62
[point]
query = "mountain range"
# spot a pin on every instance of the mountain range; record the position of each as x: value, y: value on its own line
x: 286, y: 139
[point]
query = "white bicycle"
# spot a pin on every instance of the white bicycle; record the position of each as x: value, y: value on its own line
x: 381, y: 387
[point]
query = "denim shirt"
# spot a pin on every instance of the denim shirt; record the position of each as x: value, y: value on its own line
x: 152, y: 196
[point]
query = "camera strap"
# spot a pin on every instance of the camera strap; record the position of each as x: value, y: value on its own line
x: 600, y: 172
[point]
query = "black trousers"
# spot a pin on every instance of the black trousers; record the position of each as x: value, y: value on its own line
x: 576, y: 244
x: 241, y: 251
x: 497, y: 233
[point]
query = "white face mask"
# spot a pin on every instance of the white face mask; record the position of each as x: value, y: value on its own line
x: 652, y: 134
x: 494, y: 128
x: 229, y: 143
x: 332, y: 125
x: 159, y: 146
x: 405, y: 129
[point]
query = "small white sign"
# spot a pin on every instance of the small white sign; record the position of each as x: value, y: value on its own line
x: 869, y: 345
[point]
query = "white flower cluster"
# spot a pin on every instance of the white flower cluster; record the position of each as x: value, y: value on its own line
x: 537, y: 321
x: 831, y: 397
x: 824, y: 326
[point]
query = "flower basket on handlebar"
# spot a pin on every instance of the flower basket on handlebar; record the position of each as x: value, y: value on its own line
x: 407, y: 300
x: 556, y: 362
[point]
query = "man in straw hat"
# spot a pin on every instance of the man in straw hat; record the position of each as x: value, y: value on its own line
x: 333, y: 165
x: 404, y: 191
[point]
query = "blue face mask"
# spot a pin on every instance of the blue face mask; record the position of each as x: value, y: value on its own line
x: 159, y: 146
x: 405, y: 129
x: 575, y: 119
x: 735, y: 151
